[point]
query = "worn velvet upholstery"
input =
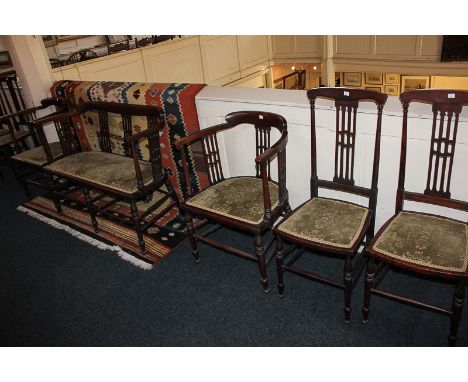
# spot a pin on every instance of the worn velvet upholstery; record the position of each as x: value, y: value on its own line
x: 118, y: 172
x: 327, y: 221
x: 37, y: 155
x: 238, y: 198
x: 432, y: 241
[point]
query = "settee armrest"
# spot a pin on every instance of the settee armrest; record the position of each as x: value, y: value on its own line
x: 65, y: 131
x: 152, y: 134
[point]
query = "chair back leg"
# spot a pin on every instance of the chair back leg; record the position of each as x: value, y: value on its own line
x: 370, y: 274
x: 457, y: 307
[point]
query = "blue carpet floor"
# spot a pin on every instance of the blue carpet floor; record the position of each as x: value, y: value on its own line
x: 56, y: 290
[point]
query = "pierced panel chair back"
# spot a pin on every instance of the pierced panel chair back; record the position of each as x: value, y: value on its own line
x: 446, y: 108
x: 11, y: 99
x: 262, y: 123
x: 154, y: 119
x: 346, y: 105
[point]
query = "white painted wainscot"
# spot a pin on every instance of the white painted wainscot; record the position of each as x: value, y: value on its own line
x: 237, y: 146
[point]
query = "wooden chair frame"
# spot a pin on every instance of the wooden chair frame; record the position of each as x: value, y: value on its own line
x: 262, y: 122
x: 346, y: 103
x: 118, y: 46
x: 445, y: 103
x: 81, y: 55
x: 23, y: 119
x: 67, y: 123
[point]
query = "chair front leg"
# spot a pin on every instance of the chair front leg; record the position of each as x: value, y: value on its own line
x: 18, y: 172
x: 260, y: 252
x: 136, y: 223
x: 348, y: 287
x: 457, y: 308
x: 91, y: 209
x: 368, y: 288
x: 55, y: 197
x: 279, y: 265
x: 191, y: 234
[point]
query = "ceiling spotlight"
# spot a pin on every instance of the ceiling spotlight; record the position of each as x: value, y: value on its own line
x: 315, y: 68
x: 293, y: 68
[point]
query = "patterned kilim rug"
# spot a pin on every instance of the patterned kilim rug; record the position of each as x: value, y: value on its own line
x: 178, y: 103
x: 160, y: 238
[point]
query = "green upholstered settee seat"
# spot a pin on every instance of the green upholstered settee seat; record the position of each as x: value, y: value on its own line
x: 327, y: 221
x: 237, y: 198
x: 105, y: 169
x: 427, y: 240
x: 37, y: 155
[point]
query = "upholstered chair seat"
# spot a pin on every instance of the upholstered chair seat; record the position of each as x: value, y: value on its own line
x: 431, y: 241
x: 237, y: 198
x: 118, y: 172
x: 326, y: 221
x: 37, y: 156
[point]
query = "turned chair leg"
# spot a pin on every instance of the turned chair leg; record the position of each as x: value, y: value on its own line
x: 18, y: 172
x: 171, y: 191
x: 92, y: 211
x: 191, y: 234
x: 457, y: 307
x: 279, y: 265
x: 136, y: 222
x: 368, y: 288
x: 260, y: 252
x: 348, y: 287
x: 55, y: 197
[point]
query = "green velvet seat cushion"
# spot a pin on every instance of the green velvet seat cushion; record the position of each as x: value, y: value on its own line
x: 3, y: 131
x: 326, y: 221
x: 37, y: 155
x: 105, y: 169
x: 5, y: 139
x: 237, y: 198
x: 427, y: 240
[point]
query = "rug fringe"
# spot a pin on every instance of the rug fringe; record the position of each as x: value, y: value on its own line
x: 88, y: 239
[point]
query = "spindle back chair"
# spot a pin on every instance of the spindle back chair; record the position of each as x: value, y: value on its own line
x: 419, y: 242
x: 329, y: 225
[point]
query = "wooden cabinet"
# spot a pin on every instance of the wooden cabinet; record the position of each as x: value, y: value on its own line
x: 127, y: 66
x: 297, y: 46
x: 178, y: 61
x: 220, y: 59
x: 253, y: 54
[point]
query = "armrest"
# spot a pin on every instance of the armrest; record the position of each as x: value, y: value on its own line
x: 46, y: 102
x: 273, y: 150
x: 38, y: 126
x: 262, y: 160
x: 57, y: 116
x: 200, y: 134
x: 142, y: 134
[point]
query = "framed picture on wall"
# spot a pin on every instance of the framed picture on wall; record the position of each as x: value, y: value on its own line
x: 5, y: 59
x: 373, y: 78
x: 392, y: 79
x: 414, y: 82
x: 374, y: 88
x: 392, y: 90
x: 352, y: 79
